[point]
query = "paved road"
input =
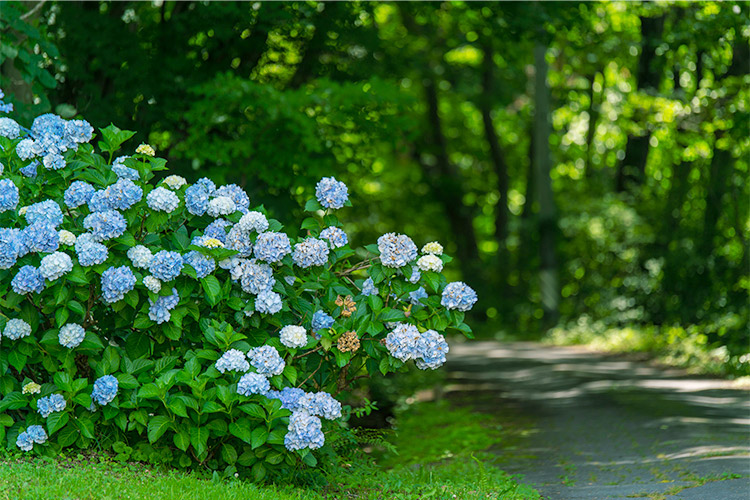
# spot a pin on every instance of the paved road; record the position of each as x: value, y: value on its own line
x: 597, y: 427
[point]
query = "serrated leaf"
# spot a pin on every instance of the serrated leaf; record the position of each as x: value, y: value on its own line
x: 157, y: 426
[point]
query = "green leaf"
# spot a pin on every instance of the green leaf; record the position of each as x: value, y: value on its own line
x: 312, y: 205
x: 228, y: 453
x: 62, y: 381
x: 255, y: 411
x: 212, y: 287
x: 86, y: 426
x: 68, y: 435
x: 199, y: 439
x: 127, y: 381
x: 241, y: 431
x: 259, y: 436
x: 157, y: 426
x: 57, y: 421
x: 149, y: 391
x: 181, y: 440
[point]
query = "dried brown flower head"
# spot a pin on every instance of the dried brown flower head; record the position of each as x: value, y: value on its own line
x: 349, y: 341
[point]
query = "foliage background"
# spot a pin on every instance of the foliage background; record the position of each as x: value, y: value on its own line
x: 636, y: 216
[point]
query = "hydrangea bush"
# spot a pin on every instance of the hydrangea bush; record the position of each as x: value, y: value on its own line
x: 177, y: 323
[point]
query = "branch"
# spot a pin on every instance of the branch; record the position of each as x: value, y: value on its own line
x: 33, y: 11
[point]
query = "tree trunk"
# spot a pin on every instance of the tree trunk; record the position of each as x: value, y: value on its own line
x: 549, y: 282
x: 632, y: 168
x: 445, y: 181
x: 591, y: 132
x: 498, y: 161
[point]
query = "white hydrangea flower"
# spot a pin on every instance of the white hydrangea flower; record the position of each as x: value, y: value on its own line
x: 221, y: 205
x: 253, y: 221
x: 293, y: 336
x: 152, y: 283
x: 175, y: 181
x: 140, y: 256
x: 67, y: 238
x: 433, y: 248
x: 430, y: 262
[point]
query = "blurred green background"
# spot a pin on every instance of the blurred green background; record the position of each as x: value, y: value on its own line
x: 587, y: 163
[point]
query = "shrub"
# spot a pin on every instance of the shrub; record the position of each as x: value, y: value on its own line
x: 175, y: 323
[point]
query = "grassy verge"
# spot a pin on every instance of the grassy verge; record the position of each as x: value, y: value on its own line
x: 440, y: 455
x: 670, y: 345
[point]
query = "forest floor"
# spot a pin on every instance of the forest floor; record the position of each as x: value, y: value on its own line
x: 590, y: 426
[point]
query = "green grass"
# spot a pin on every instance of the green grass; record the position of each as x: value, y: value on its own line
x: 441, y: 455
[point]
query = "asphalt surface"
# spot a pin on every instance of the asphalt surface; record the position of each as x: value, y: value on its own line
x: 589, y: 426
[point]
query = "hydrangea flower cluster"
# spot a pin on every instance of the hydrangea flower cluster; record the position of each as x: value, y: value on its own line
x: 55, y: 265
x: 89, y: 252
x: 48, y: 405
x: 232, y: 360
x: 293, y: 336
x: 310, y: 252
x: 253, y: 383
x: 331, y: 193
x: 16, y: 329
x: 405, y: 342
x: 396, y: 250
x: 105, y: 225
x: 321, y: 320
x: 105, y: 390
x: 458, y: 295
x: 266, y: 360
x: 335, y: 236
x: 166, y: 265
x: 71, y: 335
x: 272, y: 247
x: 159, y: 311
x: 116, y: 282
x: 163, y: 200
x: 34, y: 434
x: 28, y: 280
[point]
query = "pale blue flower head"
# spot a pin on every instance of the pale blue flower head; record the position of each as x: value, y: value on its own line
x: 268, y: 302
x: 253, y: 383
x: 310, y: 252
x: 272, y: 247
x: 266, y: 360
x: 9, y: 196
x: 79, y: 193
x: 166, y: 265
x: 335, y: 236
x: 105, y: 225
x: 232, y: 360
x: 116, y: 282
x: 331, y: 193
x: 28, y: 280
x: 458, y: 295
x: 105, y: 390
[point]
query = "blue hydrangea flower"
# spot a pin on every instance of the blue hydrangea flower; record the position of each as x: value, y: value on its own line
x: 152, y: 284
x: 239, y: 240
x: 266, y: 360
x: 30, y: 170
x: 236, y: 194
x: 55, y: 265
x: 368, y: 288
x: 24, y: 441
x: 206, y: 184
x: 321, y: 320
x: 253, y: 221
x: 79, y: 130
x: 79, y: 193
x: 25, y: 149
x: 431, y: 350
x: 166, y: 265
x: 335, y: 236
x: 417, y: 295
x: 401, y: 342
x: 304, y: 431
x: 40, y: 237
x: 116, y: 282
x: 289, y: 397
x: 71, y: 335
x: 9, y: 128
x: 122, y: 195
x: 45, y: 211
x: 255, y: 277
x: 8, y: 195
x: 321, y: 404
x: 310, y: 252
x: 28, y: 280
x: 16, y: 329
x: 90, y: 253
x: 50, y: 404
x: 105, y: 225
x: 196, y: 199
x: 11, y: 242
x: 232, y: 360
x: 53, y: 161
x: 218, y: 230
x: 272, y: 247
x: 202, y: 264
x: 48, y: 124
x: 458, y: 295
x: 268, y: 302
x: 415, y: 276
x: 36, y: 433
x: 159, y: 311
x: 123, y: 172
x: 396, y: 250
x: 98, y: 201
x: 163, y: 200
x: 331, y: 193
x: 253, y: 383
x: 105, y: 390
